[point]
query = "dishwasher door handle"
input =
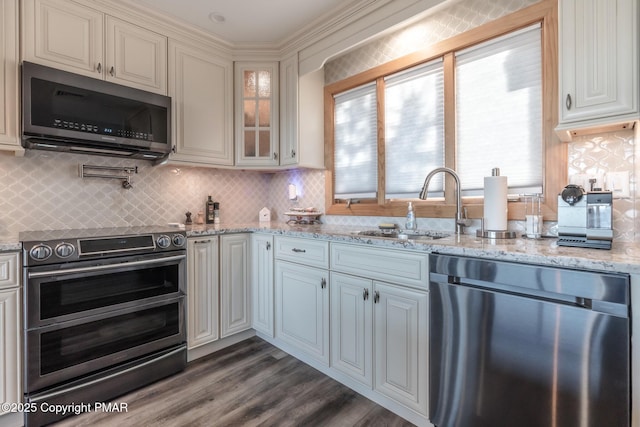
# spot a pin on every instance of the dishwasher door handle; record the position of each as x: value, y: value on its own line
x: 605, y: 307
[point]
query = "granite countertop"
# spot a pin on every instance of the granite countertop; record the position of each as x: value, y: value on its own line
x: 10, y: 243
x: 623, y: 257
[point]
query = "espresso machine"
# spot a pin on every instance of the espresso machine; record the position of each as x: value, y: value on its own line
x: 585, y: 219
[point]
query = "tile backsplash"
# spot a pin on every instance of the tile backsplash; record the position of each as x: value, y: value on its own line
x: 43, y: 191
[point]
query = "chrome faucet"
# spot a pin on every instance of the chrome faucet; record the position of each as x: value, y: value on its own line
x: 461, y: 220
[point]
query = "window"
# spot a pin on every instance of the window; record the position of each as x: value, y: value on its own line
x: 357, y: 154
x: 468, y: 105
x: 499, y: 112
x: 414, y: 129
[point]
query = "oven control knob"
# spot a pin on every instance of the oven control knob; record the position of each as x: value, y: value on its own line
x: 65, y: 250
x: 178, y: 240
x: 40, y: 252
x: 164, y: 241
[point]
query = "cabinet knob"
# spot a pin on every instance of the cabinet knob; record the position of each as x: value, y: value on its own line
x: 376, y: 297
x: 365, y: 294
x: 112, y: 71
x: 568, y: 102
x: 99, y: 68
x: 323, y: 283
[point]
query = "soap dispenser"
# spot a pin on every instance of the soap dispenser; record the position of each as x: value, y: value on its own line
x: 411, y: 218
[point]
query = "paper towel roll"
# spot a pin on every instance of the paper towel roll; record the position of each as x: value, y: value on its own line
x: 495, y: 203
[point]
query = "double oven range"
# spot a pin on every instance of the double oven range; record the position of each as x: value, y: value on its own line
x: 104, y: 313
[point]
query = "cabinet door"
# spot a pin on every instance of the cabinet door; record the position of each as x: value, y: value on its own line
x: 401, y: 334
x: 262, y: 283
x: 202, y: 291
x: 135, y: 56
x: 9, y: 81
x: 289, y: 111
x: 351, y: 326
x: 10, y: 370
x: 598, y: 59
x: 257, y: 114
x: 9, y: 269
x: 301, y: 116
x: 64, y: 35
x: 201, y: 89
x: 235, y: 287
x: 302, y: 308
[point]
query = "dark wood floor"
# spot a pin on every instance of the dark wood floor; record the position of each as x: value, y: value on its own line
x: 249, y: 384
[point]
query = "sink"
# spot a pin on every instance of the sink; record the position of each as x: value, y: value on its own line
x: 404, y: 235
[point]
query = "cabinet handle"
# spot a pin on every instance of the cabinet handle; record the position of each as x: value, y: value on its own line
x: 268, y: 246
x: 293, y: 153
x: 298, y: 250
x: 376, y: 297
x: 112, y: 71
x: 202, y: 242
x: 275, y: 156
x: 323, y: 283
x: 365, y: 294
x: 173, y: 149
x: 99, y: 68
x: 568, y: 102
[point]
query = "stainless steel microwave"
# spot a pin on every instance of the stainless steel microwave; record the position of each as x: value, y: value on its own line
x: 62, y: 111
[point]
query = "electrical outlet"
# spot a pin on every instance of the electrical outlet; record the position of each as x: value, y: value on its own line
x: 618, y: 184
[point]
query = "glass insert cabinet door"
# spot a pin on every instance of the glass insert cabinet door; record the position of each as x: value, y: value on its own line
x: 256, y: 113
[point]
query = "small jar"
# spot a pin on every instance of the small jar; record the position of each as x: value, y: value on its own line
x: 200, y: 218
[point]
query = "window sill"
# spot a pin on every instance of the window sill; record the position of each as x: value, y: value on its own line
x: 431, y: 209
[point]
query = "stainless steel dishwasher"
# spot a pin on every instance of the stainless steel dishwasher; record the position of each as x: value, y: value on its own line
x: 525, y: 345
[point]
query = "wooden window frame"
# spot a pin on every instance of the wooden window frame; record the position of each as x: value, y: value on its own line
x: 554, y: 151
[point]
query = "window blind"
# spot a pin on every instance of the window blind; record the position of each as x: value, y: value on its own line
x: 356, y: 147
x: 414, y: 129
x: 499, y: 112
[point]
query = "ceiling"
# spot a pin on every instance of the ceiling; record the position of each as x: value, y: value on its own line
x: 248, y: 21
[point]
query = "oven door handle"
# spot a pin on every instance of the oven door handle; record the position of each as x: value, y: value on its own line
x: 53, y: 273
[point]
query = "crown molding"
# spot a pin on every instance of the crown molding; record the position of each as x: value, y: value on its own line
x: 328, y: 35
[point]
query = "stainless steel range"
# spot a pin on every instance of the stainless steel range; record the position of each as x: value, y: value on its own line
x: 104, y: 313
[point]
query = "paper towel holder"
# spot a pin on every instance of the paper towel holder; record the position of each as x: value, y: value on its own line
x: 494, y: 234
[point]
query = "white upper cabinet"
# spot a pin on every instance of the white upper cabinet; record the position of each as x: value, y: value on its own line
x: 279, y: 115
x: 9, y: 100
x: 598, y: 47
x: 135, y: 56
x: 201, y: 90
x: 256, y: 114
x: 301, y: 116
x: 65, y: 35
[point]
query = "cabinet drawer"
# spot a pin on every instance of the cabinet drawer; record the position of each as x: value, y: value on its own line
x: 314, y: 253
x: 382, y: 264
x: 9, y: 269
